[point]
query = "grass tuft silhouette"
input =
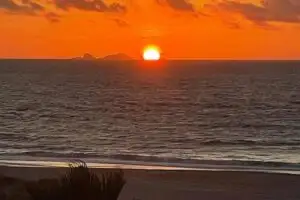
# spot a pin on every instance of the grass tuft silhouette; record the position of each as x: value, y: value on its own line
x: 79, y: 183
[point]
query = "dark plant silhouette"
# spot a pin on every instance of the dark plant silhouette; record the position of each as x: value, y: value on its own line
x: 79, y: 183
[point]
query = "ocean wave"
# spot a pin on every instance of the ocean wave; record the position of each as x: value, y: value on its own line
x: 219, y: 142
x: 170, y: 161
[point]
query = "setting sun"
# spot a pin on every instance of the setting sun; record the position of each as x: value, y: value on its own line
x: 151, y: 53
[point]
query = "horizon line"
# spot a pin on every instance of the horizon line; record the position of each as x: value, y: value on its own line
x: 163, y: 60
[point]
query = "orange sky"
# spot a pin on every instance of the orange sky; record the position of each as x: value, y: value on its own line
x: 195, y: 29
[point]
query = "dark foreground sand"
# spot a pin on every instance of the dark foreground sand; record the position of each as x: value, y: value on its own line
x: 185, y: 185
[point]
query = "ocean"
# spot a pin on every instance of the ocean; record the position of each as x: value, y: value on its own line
x: 173, y: 113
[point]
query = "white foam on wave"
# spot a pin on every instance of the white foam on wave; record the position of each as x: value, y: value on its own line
x: 146, y: 166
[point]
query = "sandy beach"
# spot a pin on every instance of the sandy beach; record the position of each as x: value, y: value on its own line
x: 181, y: 185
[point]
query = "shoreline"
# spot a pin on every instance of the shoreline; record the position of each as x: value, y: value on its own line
x: 136, y: 165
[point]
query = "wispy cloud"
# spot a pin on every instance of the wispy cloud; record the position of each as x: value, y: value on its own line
x: 181, y: 5
x: 88, y: 5
x: 268, y: 11
x: 36, y: 8
x: 53, y: 17
x: 121, y: 23
x: 24, y: 7
x: 28, y: 7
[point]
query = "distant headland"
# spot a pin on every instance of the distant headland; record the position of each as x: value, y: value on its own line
x: 118, y: 56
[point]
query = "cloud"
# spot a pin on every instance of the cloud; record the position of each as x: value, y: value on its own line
x: 52, y: 17
x: 90, y: 5
x: 268, y: 11
x: 23, y: 7
x: 181, y: 5
x: 121, y: 23
x: 33, y: 8
x: 28, y: 7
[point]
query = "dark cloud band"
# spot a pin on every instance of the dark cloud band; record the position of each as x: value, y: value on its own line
x: 181, y: 5
x: 96, y: 5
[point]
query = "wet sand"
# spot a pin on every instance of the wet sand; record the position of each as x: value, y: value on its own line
x: 184, y: 185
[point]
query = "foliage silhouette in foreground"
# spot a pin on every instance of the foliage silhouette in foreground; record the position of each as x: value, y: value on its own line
x: 79, y: 183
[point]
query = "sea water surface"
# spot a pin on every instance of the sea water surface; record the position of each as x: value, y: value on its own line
x: 176, y: 113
